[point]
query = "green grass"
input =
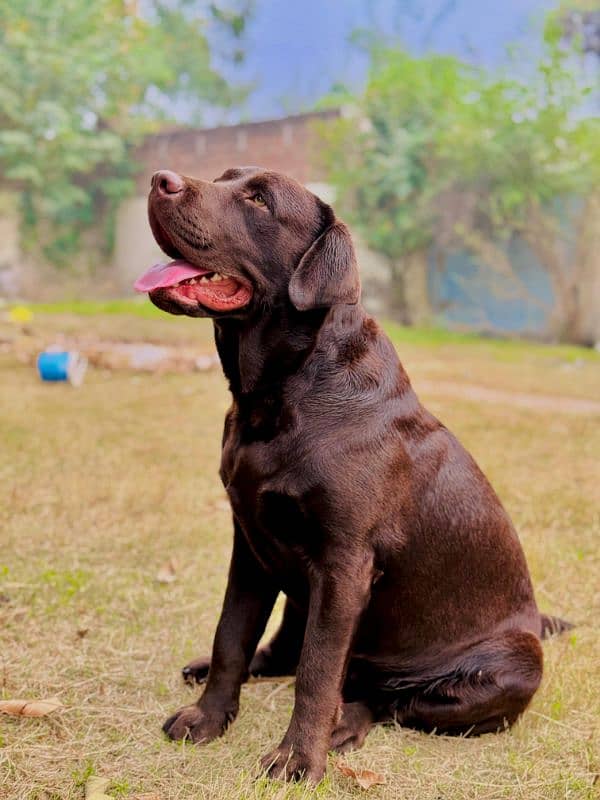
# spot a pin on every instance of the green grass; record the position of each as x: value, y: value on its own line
x: 100, y: 486
x: 138, y: 307
x: 510, y: 349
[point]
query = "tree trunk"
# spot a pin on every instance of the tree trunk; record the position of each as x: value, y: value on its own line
x: 413, y: 288
x: 587, y: 267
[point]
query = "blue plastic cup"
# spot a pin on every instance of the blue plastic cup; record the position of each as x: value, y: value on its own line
x: 62, y: 366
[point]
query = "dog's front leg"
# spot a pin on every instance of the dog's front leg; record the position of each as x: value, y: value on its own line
x: 249, y: 600
x: 339, y: 592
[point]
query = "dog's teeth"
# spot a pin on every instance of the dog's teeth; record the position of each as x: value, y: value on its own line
x: 216, y: 277
x: 193, y: 281
x: 204, y: 279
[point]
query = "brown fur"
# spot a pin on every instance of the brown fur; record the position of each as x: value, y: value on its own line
x: 408, y: 595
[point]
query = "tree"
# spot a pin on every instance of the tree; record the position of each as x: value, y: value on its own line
x: 580, y: 22
x: 439, y: 151
x: 81, y: 83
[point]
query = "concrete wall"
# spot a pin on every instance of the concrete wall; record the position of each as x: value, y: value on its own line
x: 135, y: 248
x: 466, y: 292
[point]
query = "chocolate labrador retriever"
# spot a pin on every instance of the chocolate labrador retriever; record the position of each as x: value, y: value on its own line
x: 408, y: 594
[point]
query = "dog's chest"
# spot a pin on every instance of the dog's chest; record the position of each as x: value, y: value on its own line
x: 263, y: 484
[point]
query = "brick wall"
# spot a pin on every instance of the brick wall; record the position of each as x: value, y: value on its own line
x: 287, y: 145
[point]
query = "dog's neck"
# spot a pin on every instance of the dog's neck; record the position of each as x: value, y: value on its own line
x: 260, y: 358
x: 258, y: 355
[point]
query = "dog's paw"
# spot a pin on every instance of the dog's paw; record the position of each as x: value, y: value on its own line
x: 288, y: 764
x: 190, y: 722
x: 196, y: 671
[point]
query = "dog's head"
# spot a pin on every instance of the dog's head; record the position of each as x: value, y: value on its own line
x: 251, y: 239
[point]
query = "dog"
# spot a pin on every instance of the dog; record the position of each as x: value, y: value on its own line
x: 408, y: 593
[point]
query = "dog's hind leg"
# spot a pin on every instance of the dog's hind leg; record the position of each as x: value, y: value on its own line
x: 278, y: 657
x: 355, y: 721
x: 486, y: 690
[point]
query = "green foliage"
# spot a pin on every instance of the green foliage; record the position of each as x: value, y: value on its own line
x: 81, y: 83
x: 427, y: 127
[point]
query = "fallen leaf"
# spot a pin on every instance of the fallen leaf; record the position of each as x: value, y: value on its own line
x: 82, y: 632
x: 168, y: 572
x: 94, y: 788
x: 365, y: 778
x: 30, y: 708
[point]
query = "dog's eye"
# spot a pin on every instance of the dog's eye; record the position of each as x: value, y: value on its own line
x: 258, y: 200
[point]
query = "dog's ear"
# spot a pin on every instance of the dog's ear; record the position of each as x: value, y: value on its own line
x: 327, y: 273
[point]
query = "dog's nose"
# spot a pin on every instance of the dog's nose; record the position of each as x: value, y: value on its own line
x: 167, y: 182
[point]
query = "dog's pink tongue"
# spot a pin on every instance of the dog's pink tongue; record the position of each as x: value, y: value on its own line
x: 162, y: 275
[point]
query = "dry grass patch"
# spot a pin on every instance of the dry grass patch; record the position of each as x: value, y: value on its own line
x: 100, y: 486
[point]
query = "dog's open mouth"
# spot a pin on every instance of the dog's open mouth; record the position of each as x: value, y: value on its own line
x: 189, y: 285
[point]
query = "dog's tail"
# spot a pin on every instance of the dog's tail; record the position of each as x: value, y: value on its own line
x: 552, y: 626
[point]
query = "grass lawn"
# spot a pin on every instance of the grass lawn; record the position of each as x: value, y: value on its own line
x: 101, y: 486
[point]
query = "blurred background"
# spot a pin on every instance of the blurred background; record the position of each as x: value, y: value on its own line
x: 460, y: 141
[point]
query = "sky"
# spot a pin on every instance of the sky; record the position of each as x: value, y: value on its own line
x: 296, y: 51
